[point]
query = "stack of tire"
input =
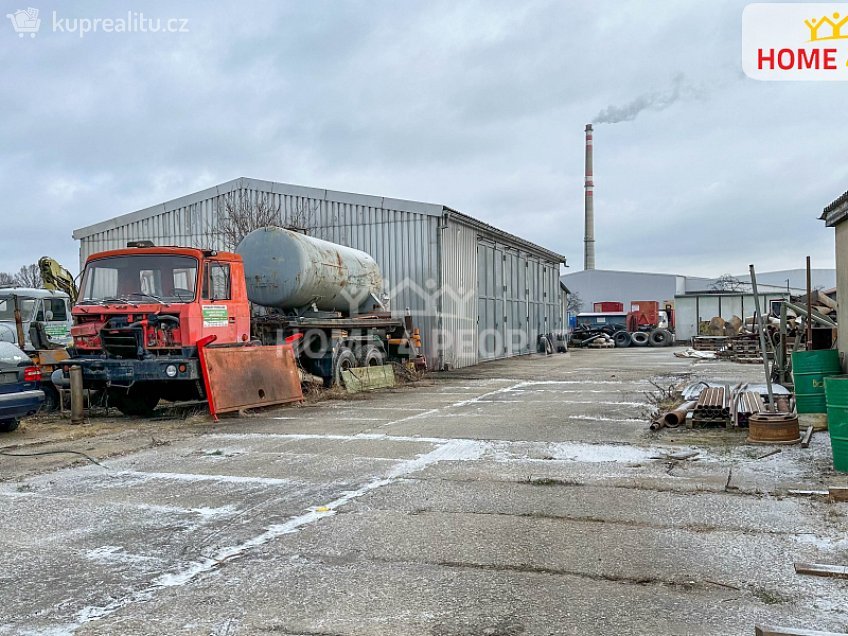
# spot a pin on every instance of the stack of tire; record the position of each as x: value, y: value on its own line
x: 653, y: 338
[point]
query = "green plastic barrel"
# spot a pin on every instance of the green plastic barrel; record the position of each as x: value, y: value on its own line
x: 809, y: 369
x: 836, y: 390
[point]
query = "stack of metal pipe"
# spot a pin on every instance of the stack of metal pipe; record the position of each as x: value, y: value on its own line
x: 749, y: 403
x: 712, y: 407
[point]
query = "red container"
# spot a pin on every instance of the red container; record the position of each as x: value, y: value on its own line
x: 647, y: 312
x: 605, y: 307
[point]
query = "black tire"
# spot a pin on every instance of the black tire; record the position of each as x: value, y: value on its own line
x: 659, y: 338
x: 622, y: 339
x: 372, y: 357
x: 345, y: 360
x: 7, y: 426
x: 545, y: 346
x: 136, y: 402
x: 669, y: 342
x: 639, y: 339
x: 51, y: 398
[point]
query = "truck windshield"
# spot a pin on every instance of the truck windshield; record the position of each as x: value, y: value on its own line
x: 7, y: 308
x: 142, y: 279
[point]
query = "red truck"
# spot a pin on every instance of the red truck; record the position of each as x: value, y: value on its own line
x: 142, y: 311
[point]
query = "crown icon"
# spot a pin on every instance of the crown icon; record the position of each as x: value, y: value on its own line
x: 835, y: 31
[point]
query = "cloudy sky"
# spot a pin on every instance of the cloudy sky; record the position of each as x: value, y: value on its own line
x: 477, y: 105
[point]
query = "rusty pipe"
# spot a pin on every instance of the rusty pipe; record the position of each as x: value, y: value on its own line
x: 675, y: 418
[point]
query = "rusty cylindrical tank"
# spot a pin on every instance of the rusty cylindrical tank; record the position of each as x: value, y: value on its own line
x: 288, y: 270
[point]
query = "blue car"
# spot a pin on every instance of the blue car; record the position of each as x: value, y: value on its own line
x: 20, y: 394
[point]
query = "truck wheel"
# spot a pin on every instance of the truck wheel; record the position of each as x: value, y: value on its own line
x: 372, y: 357
x: 51, y: 398
x: 7, y: 426
x: 545, y: 346
x: 622, y: 339
x: 345, y: 361
x: 659, y: 338
x: 134, y: 402
x: 639, y: 339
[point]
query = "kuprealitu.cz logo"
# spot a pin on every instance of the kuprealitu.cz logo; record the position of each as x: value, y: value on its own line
x: 795, y: 41
x: 27, y: 22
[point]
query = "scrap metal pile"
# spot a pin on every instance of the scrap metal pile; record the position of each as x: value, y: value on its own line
x: 707, y: 404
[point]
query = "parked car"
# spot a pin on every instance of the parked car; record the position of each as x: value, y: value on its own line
x: 20, y: 392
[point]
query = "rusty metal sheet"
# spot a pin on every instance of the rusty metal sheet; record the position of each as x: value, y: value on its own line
x: 249, y: 376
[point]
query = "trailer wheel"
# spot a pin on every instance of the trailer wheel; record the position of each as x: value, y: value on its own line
x: 345, y: 361
x: 134, y: 402
x: 639, y: 339
x: 659, y: 338
x: 7, y: 426
x: 622, y: 339
x: 373, y: 357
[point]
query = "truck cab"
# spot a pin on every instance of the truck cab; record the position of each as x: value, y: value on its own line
x: 140, y: 313
x: 49, y: 309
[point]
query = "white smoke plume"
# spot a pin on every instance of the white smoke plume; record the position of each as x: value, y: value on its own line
x: 658, y: 100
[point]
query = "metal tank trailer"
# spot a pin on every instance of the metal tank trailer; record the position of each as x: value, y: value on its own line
x: 326, y: 297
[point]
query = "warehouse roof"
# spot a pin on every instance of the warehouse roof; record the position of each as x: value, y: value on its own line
x: 836, y: 211
x: 275, y: 187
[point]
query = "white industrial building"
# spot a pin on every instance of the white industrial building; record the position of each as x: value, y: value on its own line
x: 476, y: 292
x: 696, y: 300
x: 607, y: 285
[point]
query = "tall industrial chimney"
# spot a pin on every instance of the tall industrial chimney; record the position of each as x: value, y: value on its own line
x: 589, y: 232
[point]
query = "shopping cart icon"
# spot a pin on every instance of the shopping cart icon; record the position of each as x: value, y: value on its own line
x: 25, y: 21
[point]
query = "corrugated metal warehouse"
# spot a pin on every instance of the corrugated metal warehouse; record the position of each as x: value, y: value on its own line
x: 476, y: 292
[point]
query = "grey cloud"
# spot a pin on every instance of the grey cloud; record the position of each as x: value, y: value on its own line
x: 479, y: 105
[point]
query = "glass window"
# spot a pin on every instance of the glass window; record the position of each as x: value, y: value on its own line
x: 58, y: 307
x: 219, y: 281
x: 7, y: 308
x: 143, y: 278
x: 11, y: 355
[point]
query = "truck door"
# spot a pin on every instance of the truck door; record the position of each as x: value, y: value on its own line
x: 57, y: 320
x: 221, y: 314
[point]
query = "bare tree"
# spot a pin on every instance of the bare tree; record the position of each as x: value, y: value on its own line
x: 727, y: 282
x: 7, y: 279
x: 29, y: 276
x: 302, y: 218
x: 238, y: 214
x: 575, y: 303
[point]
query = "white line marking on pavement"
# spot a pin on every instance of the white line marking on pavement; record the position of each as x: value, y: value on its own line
x: 454, y: 450
x: 232, y: 479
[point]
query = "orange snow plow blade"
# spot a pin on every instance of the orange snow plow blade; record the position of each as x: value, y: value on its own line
x: 249, y: 376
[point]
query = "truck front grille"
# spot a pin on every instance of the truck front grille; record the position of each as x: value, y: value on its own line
x: 122, y: 343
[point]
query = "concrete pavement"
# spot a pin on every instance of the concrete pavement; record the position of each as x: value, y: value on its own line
x: 518, y: 497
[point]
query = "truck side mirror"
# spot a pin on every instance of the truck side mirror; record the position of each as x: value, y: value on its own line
x: 48, y: 316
